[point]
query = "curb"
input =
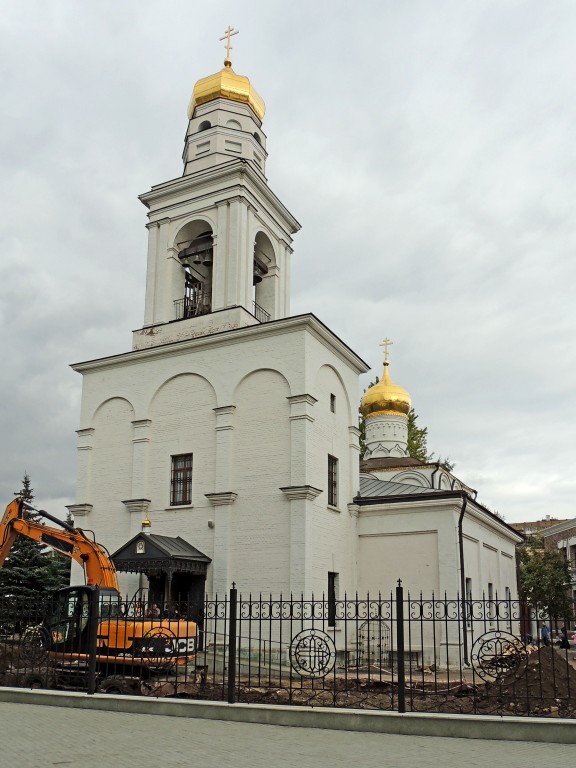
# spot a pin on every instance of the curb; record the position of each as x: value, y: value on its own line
x: 552, y: 731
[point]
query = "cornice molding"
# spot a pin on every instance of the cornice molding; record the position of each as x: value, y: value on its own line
x: 307, y: 492
x: 239, y: 170
x: 308, y: 322
x: 305, y: 398
x: 221, y: 499
x: 137, y: 505
x: 79, y: 510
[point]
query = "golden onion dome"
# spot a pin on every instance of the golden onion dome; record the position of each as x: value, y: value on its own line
x: 226, y: 84
x: 385, y: 397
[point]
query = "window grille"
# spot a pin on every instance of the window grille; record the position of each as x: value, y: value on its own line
x: 181, y: 480
x: 332, y: 481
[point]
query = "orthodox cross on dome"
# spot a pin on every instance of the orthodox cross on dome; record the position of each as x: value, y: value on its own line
x: 227, y: 35
x: 386, y: 343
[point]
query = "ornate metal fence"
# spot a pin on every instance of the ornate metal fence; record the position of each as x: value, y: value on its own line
x: 395, y: 652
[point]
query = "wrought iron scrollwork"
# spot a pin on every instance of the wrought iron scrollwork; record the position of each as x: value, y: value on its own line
x: 497, y: 656
x: 312, y: 653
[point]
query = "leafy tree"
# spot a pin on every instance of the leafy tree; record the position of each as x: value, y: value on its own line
x: 417, y: 439
x: 362, y: 424
x: 544, y: 578
x: 30, y: 571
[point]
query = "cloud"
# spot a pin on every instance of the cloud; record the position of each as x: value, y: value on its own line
x: 427, y: 150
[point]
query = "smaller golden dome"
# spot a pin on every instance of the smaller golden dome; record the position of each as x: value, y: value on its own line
x: 385, y: 397
x: 226, y: 84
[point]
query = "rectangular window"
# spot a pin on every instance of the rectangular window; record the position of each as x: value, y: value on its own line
x: 333, y: 403
x: 181, y: 480
x: 332, y: 481
x: 332, y: 597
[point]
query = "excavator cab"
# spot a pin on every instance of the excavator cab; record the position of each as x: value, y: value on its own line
x: 67, y: 623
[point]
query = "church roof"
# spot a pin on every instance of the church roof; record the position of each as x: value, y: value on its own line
x: 226, y: 84
x: 176, y: 547
x: 385, y: 397
x: 372, y: 490
x: 391, y: 462
x: 371, y: 487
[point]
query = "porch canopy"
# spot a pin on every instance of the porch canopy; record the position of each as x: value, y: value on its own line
x: 150, y: 553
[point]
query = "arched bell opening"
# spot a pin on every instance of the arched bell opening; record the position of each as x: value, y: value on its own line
x: 264, y: 278
x: 196, y: 255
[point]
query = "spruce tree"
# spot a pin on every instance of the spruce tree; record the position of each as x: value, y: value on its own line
x: 29, y: 572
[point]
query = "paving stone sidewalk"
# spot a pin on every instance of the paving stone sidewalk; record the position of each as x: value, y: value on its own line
x: 34, y: 736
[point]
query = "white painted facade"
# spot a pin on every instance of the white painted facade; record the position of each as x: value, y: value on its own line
x: 260, y: 400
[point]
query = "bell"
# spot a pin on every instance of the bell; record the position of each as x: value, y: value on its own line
x: 207, y: 260
x: 257, y: 279
x: 196, y: 259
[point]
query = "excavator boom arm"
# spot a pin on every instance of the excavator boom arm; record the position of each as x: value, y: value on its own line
x: 72, y: 542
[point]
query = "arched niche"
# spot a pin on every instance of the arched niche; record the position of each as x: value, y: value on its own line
x: 183, y: 421
x: 264, y: 278
x: 261, y: 467
x: 195, y: 250
x: 412, y: 478
x: 234, y: 124
x: 331, y: 393
x: 445, y: 483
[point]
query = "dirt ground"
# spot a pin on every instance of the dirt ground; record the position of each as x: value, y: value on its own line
x: 546, y: 687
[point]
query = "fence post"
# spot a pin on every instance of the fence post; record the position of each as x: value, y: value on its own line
x: 93, y: 622
x: 232, y: 643
x: 400, y: 646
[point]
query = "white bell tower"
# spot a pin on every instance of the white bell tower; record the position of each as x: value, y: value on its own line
x: 219, y: 239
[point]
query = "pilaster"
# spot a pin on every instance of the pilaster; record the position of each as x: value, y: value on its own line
x: 84, y: 463
x: 158, y: 247
x: 301, y: 421
x: 140, y: 448
x: 152, y: 275
x: 222, y: 527
x: 301, y: 498
x: 224, y: 446
x: 354, y: 453
x: 220, y: 269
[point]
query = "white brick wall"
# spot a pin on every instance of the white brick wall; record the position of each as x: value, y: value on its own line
x: 249, y: 445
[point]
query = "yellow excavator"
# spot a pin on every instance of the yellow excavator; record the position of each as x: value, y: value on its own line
x: 128, y: 645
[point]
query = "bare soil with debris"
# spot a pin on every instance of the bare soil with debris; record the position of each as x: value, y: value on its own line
x: 545, y: 687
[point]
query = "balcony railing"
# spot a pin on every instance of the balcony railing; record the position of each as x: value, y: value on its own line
x: 200, y: 304
x: 260, y: 313
x: 192, y: 306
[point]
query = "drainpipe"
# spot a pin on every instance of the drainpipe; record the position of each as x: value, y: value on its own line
x: 434, y: 473
x: 463, y: 578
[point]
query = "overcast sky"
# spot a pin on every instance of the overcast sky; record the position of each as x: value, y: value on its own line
x: 426, y: 147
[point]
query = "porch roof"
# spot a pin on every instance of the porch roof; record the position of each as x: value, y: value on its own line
x: 148, y: 552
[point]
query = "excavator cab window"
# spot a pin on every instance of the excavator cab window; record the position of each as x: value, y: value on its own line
x: 109, y: 604
x: 70, y: 614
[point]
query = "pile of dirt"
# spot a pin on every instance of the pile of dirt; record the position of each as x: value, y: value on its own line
x: 547, y: 686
